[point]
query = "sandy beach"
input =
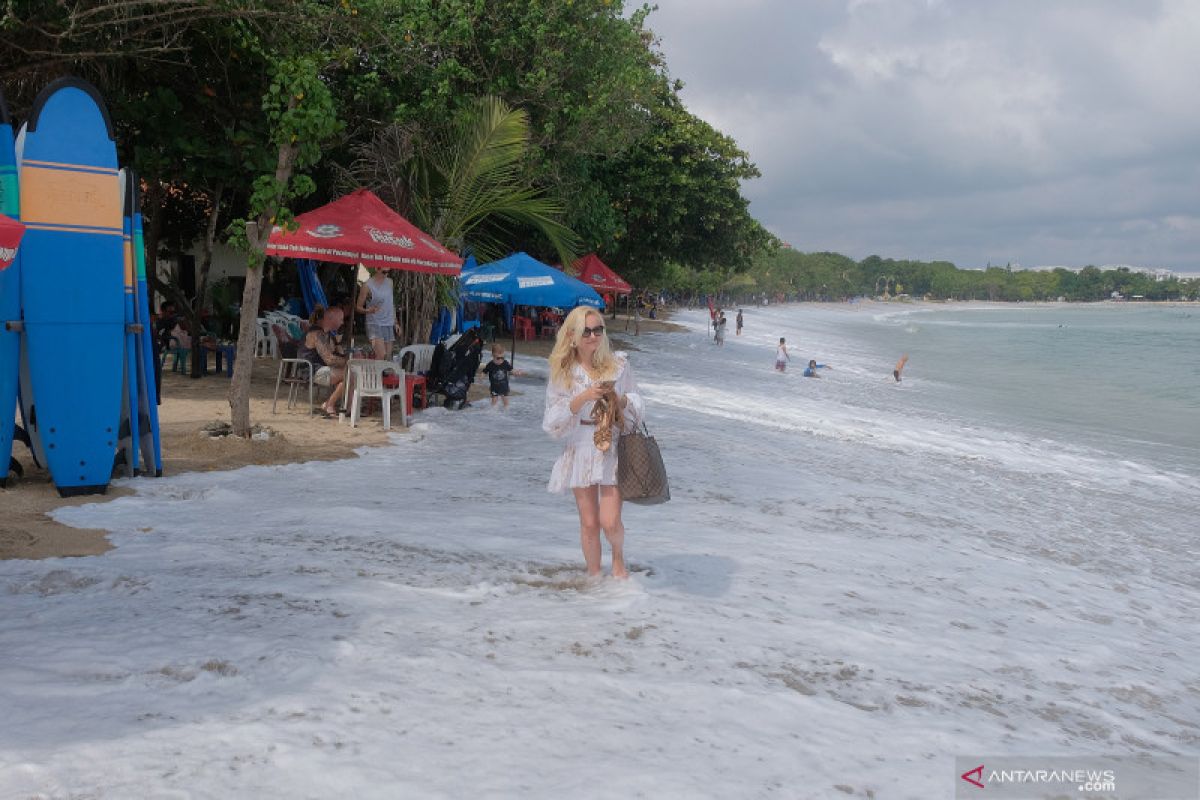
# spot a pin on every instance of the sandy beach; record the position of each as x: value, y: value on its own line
x: 28, y: 532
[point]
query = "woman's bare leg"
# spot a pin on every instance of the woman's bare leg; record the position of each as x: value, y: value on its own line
x: 381, y: 348
x: 589, y: 527
x: 614, y: 528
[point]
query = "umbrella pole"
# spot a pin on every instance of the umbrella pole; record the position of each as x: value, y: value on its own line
x: 514, y: 346
x: 349, y: 337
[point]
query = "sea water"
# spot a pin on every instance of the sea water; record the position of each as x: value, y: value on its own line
x: 856, y: 581
x: 1088, y: 413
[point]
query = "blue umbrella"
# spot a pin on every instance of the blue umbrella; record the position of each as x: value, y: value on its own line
x: 310, y: 286
x: 522, y: 280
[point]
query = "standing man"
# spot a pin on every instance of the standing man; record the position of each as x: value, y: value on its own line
x: 376, y: 301
x: 739, y: 322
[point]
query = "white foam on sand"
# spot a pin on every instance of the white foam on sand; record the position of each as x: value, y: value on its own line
x: 821, y: 611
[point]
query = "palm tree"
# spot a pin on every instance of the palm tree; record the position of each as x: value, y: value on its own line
x: 465, y: 184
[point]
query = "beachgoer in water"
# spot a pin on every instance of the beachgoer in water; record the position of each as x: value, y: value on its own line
x: 900, y: 367
x: 720, y: 336
x: 739, y: 322
x: 781, y: 356
x: 811, y: 370
x: 591, y: 398
x: 498, y: 370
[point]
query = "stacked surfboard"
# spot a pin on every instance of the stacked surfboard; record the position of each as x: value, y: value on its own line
x: 10, y: 297
x: 86, y: 377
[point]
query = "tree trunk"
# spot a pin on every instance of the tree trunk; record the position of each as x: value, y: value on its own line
x: 152, y: 207
x: 206, y: 254
x: 416, y: 305
x: 257, y: 234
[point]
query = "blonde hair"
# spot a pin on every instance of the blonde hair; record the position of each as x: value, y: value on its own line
x: 497, y: 349
x: 562, y: 357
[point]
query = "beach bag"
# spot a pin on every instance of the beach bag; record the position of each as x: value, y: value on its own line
x: 641, y: 474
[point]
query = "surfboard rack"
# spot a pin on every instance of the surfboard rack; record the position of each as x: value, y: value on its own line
x: 15, y: 325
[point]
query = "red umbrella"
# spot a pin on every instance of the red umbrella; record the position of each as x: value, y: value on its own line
x: 360, y: 229
x: 595, y: 273
x: 11, y: 232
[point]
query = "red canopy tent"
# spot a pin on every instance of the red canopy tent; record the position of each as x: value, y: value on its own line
x: 595, y: 273
x: 11, y: 232
x: 361, y: 229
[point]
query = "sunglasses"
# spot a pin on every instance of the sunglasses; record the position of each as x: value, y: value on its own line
x: 596, y: 331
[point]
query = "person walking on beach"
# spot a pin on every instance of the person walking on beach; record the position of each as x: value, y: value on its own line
x: 781, y: 356
x: 739, y: 322
x: 376, y: 301
x: 720, y: 336
x: 498, y: 370
x: 591, y: 398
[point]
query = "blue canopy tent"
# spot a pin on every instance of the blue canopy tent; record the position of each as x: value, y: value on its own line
x: 522, y: 280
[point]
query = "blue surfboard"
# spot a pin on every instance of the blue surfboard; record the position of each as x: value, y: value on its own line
x: 151, y: 441
x: 10, y: 298
x: 72, y: 284
x: 130, y: 409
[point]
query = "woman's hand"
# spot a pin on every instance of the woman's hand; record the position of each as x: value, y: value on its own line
x: 588, y: 395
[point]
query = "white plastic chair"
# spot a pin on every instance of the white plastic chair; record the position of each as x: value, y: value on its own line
x: 265, y: 345
x: 422, y: 356
x: 367, y: 375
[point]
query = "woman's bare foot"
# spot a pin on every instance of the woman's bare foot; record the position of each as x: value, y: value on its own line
x: 618, y: 567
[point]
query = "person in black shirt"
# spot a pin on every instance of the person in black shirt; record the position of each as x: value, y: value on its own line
x: 498, y: 370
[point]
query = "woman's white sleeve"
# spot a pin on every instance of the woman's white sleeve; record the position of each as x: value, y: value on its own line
x: 558, y: 419
x: 635, y: 408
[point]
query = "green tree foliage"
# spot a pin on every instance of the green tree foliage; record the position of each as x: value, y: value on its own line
x: 678, y: 196
x: 462, y: 182
x: 831, y: 276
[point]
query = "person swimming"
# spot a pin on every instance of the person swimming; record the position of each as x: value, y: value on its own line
x: 811, y: 370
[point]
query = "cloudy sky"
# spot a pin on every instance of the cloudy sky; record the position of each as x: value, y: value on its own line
x: 1047, y: 132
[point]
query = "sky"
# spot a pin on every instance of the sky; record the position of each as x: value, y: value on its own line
x: 1031, y: 133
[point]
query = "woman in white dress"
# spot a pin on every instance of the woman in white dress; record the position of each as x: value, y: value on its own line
x: 583, y: 370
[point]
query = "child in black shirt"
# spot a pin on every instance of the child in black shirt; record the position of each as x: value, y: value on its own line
x: 498, y: 370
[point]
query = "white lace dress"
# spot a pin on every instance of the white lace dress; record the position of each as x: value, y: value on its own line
x: 581, y: 464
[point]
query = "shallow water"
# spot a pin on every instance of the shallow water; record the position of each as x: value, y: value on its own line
x: 854, y: 582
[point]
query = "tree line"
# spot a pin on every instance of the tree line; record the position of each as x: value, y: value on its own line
x: 785, y: 273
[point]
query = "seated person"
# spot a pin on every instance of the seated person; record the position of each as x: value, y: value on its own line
x: 181, y: 335
x: 318, y: 349
x: 167, y: 319
x: 811, y: 370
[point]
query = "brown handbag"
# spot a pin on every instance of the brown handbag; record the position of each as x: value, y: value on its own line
x: 641, y: 474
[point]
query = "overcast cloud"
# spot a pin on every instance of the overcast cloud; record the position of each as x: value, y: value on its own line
x: 1038, y: 133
